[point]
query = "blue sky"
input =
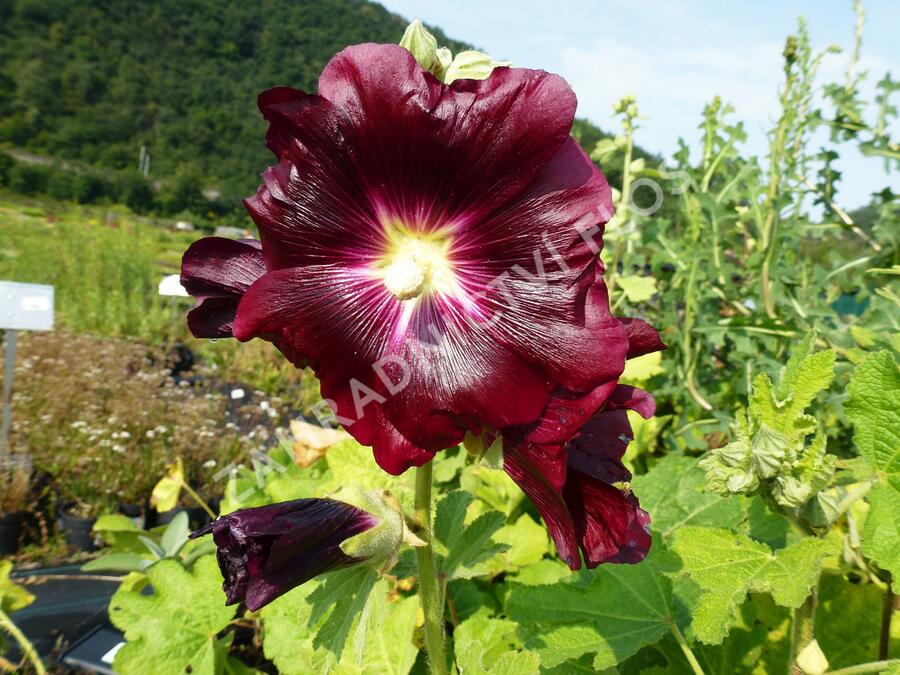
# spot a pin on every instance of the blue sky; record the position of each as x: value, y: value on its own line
x: 675, y: 55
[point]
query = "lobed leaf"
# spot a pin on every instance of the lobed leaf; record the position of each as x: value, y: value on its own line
x: 727, y: 566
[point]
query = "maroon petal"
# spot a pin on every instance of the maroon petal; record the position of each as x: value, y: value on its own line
x: 216, y: 266
x: 572, y: 481
x: 540, y: 473
x: 631, y: 398
x: 608, y: 521
x: 266, y: 551
x: 598, y: 449
x: 213, y: 317
x: 217, y: 271
x: 566, y: 412
x: 454, y: 151
x: 642, y: 338
x: 456, y: 379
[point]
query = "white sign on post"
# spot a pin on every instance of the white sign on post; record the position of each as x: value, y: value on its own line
x: 22, y: 307
x: 171, y: 285
x: 25, y: 306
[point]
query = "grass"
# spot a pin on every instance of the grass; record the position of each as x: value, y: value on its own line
x: 104, y: 263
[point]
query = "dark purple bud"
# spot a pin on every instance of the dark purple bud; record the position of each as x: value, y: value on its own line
x: 266, y: 551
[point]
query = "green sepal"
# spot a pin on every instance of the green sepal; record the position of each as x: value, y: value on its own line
x: 379, y: 545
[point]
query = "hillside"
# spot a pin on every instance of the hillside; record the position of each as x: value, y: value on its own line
x: 93, y: 82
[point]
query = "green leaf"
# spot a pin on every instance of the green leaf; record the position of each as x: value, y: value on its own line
x: 12, y: 596
x: 450, y: 516
x: 621, y: 609
x: 874, y: 409
x: 389, y: 645
x: 493, y: 489
x: 881, y: 533
x: 341, y: 597
x: 288, y: 639
x: 726, y: 566
x: 469, y: 547
x: 176, y: 535
x: 527, y: 540
x: 117, y: 562
x: 637, y: 288
x: 542, y: 572
x: 353, y: 464
x: 488, y: 645
x: 846, y: 608
x: 176, y: 627
x: 673, y: 493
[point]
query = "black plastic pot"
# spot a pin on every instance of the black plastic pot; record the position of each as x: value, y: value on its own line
x: 10, y: 530
x: 77, y: 530
x: 135, y: 512
x: 196, y: 516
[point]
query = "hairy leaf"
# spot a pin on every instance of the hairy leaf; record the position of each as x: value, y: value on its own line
x: 726, y: 566
x: 621, y: 609
x: 176, y: 627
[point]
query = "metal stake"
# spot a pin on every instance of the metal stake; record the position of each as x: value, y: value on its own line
x: 7, y: 392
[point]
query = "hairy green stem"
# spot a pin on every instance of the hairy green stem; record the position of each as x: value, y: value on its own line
x: 197, y: 498
x: 430, y: 594
x: 873, y: 667
x: 24, y: 643
x: 803, y: 627
x: 686, y: 649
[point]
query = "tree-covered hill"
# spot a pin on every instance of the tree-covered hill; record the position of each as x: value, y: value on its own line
x: 95, y: 81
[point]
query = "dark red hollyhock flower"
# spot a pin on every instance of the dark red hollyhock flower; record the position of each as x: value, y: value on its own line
x: 217, y: 272
x: 569, y: 463
x: 264, y: 552
x: 431, y: 250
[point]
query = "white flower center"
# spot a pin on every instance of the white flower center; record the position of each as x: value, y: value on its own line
x: 408, y: 277
x: 416, y: 265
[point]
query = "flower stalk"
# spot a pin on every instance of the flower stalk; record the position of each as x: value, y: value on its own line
x: 686, y: 649
x: 802, y: 630
x: 430, y: 593
x: 28, y: 649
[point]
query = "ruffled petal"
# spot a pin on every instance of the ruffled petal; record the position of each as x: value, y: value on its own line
x: 213, y: 317
x: 434, y: 152
x: 215, y: 266
x: 407, y: 397
x: 608, y: 522
x: 217, y: 271
x: 540, y: 473
x: 631, y: 398
x: 598, y: 449
x: 642, y: 338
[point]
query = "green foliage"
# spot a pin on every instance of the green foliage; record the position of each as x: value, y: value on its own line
x: 467, y: 545
x: 176, y: 628
x: 179, y: 78
x: 132, y: 549
x: 874, y: 408
x: 673, y: 493
x: 771, y: 451
x: 384, y: 635
x: 611, y: 613
x: 12, y: 596
x: 726, y: 566
x: 485, y: 644
x: 743, y: 258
